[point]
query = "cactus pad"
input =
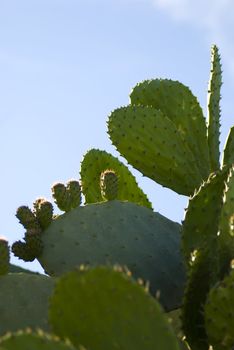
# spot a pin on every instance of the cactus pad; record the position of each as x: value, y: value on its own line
x: 27, y: 218
x: 117, y: 311
x: 152, y: 143
x: 28, y: 340
x: 177, y: 103
x: 213, y: 102
x: 202, y: 215
x: 228, y: 155
x: 219, y: 314
x: 94, y: 163
x: 24, y: 301
x: 43, y: 210
x: 109, y: 185
x: 118, y: 232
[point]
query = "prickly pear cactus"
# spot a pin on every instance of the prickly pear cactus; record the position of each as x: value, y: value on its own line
x: 118, y: 311
x: 118, y: 232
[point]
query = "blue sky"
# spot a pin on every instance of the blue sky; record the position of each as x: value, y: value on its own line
x: 66, y: 64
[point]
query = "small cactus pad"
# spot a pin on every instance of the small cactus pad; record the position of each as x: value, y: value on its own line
x: 228, y: 155
x: 67, y: 197
x: 24, y: 301
x: 28, y: 340
x: 119, y: 232
x: 219, y: 314
x: 109, y: 185
x: 22, y: 251
x: 4, y: 256
x: 202, y: 215
x: 74, y: 191
x: 213, y: 107
x: 104, y: 309
x: 152, y: 143
x: 94, y: 163
x: 34, y: 244
x: 61, y: 196
x: 177, y: 102
x: 27, y: 218
x: 43, y: 211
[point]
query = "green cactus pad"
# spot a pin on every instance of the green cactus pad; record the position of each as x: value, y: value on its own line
x: 202, y: 215
x: 24, y: 301
x: 28, y: 340
x: 177, y: 102
x: 74, y: 191
x: 228, y: 205
x: 213, y: 104
x: 197, y: 288
x: 226, y: 239
x: 4, y: 256
x: 109, y: 185
x: 104, y: 309
x: 219, y: 314
x: 34, y: 244
x: 61, y: 196
x: 22, y: 251
x: 27, y: 218
x: 228, y: 155
x: 152, y: 143
x: 94, y: 163
x: 123, y: 233
x: 43, y: 210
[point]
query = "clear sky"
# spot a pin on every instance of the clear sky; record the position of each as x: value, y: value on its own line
x: 66, y: 64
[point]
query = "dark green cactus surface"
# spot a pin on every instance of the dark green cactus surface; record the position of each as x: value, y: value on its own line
x: 24, y: 301
x: 29, y: 340
x: 119, y: 232
x: 103, y: 308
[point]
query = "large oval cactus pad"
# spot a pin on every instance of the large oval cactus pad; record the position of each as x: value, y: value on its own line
x: 152, y: 143
x: 123, y: 233
x: 104, y: 309
x: 177, y: 102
